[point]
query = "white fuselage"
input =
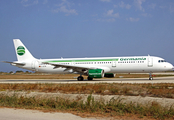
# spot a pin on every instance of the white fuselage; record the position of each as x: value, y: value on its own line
x: 92, y: 67
x: 136, y: 64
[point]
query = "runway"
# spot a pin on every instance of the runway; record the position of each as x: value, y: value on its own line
x: 115, y: 80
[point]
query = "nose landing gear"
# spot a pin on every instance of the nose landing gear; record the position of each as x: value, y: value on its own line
x: 150, y: 76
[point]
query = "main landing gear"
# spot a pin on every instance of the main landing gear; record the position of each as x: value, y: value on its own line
x: 150, y: 76
x: 80, y: 78
x: 90, y: 78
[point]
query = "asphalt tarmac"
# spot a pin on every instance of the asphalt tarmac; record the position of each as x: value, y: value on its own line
x: 115, y: 80
x: 22, y: 114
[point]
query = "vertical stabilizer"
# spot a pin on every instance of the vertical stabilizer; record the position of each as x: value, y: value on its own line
x: 22, y: 52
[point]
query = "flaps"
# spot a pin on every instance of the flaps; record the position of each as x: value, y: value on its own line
x: 66, y: 66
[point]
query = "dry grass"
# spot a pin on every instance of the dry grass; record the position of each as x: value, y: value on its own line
x: 165, y: 90
x: 91, y: 108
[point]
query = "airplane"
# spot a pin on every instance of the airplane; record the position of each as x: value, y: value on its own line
x: 96, y: 67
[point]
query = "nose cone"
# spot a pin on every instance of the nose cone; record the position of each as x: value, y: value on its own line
x: 170, y: 67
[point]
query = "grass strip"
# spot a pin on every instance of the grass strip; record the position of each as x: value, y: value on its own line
x: 114, y: 107
x: 162, y: 90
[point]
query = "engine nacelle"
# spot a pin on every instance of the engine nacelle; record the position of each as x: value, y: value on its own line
x: 96, y: 73
x: 109, y: 75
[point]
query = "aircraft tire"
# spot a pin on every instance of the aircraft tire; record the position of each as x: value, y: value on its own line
x: 80, y: 78
x: 89, y: 78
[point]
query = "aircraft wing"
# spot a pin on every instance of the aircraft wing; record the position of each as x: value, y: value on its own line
x: 15, y: 63
x: 75, y: 68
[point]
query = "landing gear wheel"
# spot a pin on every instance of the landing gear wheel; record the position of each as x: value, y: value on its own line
x: 80, y: 78
x: 89, y: 78
x: 150, y: 76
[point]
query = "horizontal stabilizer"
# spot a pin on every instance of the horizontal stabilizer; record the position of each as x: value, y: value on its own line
x: 15, y: 63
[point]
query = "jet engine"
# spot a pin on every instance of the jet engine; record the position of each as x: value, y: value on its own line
x: 96, y: 73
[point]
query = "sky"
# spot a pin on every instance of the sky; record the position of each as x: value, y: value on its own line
x: 87, y: 28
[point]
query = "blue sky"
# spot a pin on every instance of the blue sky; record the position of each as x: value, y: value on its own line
x: 87, y: 28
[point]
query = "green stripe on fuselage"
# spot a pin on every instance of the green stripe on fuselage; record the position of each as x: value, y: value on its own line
x: 92, y: 60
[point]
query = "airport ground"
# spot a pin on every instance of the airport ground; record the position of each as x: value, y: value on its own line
x: 165, y: 77
x: 163, y: 82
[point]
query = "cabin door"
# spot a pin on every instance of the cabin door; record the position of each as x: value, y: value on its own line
x: 150, y: 61
x: 34, y: 65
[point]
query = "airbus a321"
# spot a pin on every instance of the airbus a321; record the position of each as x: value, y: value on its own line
x: 96, y: 67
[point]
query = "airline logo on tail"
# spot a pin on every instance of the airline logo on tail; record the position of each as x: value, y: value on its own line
x: 21, y: 50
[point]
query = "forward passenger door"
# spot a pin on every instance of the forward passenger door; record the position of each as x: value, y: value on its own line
x: 150, y: 61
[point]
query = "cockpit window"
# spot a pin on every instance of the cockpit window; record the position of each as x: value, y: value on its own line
x: 160, y: 61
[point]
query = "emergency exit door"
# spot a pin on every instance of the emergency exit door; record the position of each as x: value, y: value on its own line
x: 113, y: 63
